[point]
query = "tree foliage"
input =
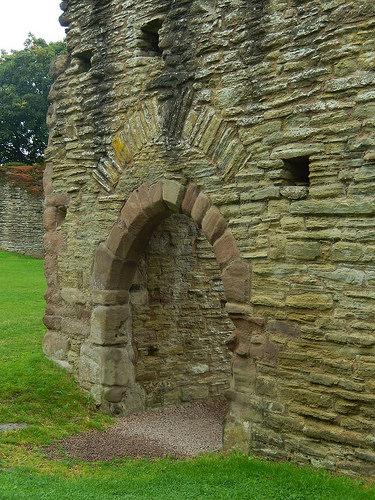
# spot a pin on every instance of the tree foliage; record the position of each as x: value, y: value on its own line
x: 24, y: 87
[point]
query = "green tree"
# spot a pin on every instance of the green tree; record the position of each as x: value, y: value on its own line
x: 24, y: 87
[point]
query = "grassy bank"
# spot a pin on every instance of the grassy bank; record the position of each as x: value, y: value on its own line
x: 34, y: 391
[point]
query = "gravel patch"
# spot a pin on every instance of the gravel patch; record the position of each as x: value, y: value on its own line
x: 179, y: 431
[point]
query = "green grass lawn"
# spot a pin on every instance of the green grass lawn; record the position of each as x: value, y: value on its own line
x: 34, y: 391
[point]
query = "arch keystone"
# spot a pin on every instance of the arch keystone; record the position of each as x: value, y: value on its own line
x: 173, y: 193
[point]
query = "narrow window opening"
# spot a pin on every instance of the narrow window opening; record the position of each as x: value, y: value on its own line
x: 136, y: 287
x: 152, y: 350
x: 297, y: 171
x: 84, y: 61
x: 150, y: 40
x: 61, y: 215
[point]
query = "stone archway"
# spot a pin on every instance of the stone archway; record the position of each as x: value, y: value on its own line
x: 107, y: 357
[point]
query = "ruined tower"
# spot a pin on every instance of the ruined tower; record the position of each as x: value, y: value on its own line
x: 209, y: 216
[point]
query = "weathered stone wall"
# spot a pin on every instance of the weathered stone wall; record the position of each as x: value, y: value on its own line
x: 21, y: 226
x: 268, y: 107
x: 179, y: 321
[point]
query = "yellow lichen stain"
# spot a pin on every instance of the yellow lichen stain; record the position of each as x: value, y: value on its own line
x: 122, y: 152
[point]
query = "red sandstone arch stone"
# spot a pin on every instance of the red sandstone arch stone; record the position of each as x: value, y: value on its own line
x: 106, y: 364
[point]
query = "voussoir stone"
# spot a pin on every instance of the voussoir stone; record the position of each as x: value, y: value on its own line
x: 213, y: 224
x: 173, y: 193
x: 236, y: 281
x: 200, y: 207
x: 190, y: 198
x: 226, y: 249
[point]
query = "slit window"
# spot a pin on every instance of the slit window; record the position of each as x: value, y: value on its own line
x: 84, y: 62
x: 297, y: 171
x: 150, y: 39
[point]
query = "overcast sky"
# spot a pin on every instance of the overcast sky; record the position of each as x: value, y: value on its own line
x: 19, y: 17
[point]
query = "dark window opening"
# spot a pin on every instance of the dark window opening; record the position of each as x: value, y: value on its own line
x: 61, y: 215
x: 152, y: 350
x: 297, y: 171
x: 84, y: 61
x: 150, y: 41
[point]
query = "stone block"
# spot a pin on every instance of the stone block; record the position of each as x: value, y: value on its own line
x: 76, y: 327
x: 120, y: 240
x: 266, y: 193
x: 108, y: 366
x: 173, y: 193
x: 225, y: 249
x: 200, y: 208
x: 74, y: 296
x: 52, y: 322
x: 199, y: 369
x: 56, y: 345
x: 133, y: 215
x: 50, y: 218
x: 369, y: 156
x: 286, y: 328
x: 233, y: 308
x: 320, y: 301
x: 156, y: 193
x: 355, y: 206
x: 115, y: 366
x: 190, y: 198
x: 303, y: 250
x: 109, y: 297
x: 89, y: 369
x: 107, y: 323
x: 144, y: 196
x: 110, y: 272
x: 294, y: 192
x: 113, y: 394
x: 292, y: 223
x: 54, y: 242
x: 47, y: 181
x: 213, y: 224
x: 151, y: 200
x: 236, y: 281
x: 57, y: 200
x: 347, y: 252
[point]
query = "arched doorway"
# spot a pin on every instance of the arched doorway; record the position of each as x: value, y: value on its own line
x: 107, y: 362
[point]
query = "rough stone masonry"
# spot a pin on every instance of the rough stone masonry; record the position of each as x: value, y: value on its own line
x: 21, y: 210
x: 209, y: 216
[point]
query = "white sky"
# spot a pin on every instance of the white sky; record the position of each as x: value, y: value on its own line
x: 19, y: 17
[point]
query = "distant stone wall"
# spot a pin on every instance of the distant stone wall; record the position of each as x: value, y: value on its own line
x: 21, y: 216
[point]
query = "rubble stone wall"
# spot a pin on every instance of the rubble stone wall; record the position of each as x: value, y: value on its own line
x: 268, y: 108
x: 21, y: 224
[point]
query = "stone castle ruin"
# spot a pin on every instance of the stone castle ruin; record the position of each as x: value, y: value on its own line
x: 209, y: 216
